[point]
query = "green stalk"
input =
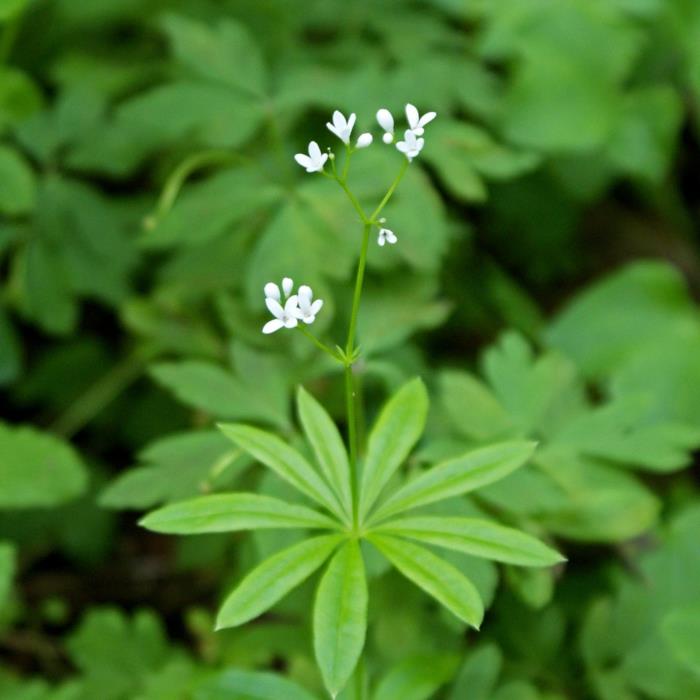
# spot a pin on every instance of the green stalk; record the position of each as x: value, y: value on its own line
x: 318, y: 343
x: 182, y: 172
x: 390, y: 191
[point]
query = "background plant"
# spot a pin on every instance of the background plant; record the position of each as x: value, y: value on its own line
x: 565, y: 151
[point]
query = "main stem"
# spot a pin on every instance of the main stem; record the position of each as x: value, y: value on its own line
x: 350, y: 390
x: 351, y: 395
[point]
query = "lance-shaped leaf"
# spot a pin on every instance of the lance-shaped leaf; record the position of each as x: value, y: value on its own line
x: 474, y: 536
x: 455, y: 477
x: 285, y: 461
x: 274, y: 578
x: 396, y: 431
x: 435, y: 576
x: 340, y: 617
x: 323, y: 435
x: 236, y: 684
x: 229, y: 512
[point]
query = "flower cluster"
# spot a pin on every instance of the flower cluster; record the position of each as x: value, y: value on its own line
x: 297, y: 307
x: 342, y: 127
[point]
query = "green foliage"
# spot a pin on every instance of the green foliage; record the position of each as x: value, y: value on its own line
x: 37, y: 469
x: 543, y: 286
x: 340, y: 616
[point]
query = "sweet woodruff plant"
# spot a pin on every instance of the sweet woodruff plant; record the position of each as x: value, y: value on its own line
x: 353, y: 498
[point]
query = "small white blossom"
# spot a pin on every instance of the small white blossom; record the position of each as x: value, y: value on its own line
x: 306, y: 308
x: 284, y: 316
x: 341, y: 126
x: 386, y: 121
x: 272, y: 291
x: 386, y: 236
x: 315, y: 161
x: 416, y: 122
x: 411, y: 145
x: 364, y: 140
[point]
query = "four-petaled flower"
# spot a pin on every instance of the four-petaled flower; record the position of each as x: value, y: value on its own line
x: 411, y: 145
x: 341, y: 126
x: 284, y: 316
x: 386, y: 121
x: 315, y: 161
x: 386, y: 236
x: 416, y: 122
x: 307, y: 309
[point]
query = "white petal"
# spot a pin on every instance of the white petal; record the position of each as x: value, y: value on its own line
x: 314, y: 151
x: 381, y: 240
x: 303, y: 160
x: 412, y: 116
x: 316, y: 306
x: 351, y: 123
x: 364, y: 140
x: 305, y: 293
x: 427, y: 118
x: 388, y: 138
x: 391, y: 237
x: 272, y: 291
x: 333, y: 129
x: 385, y: 120
x: 291, y: 322
x: 291, y: 304
x: 272, y: 326
x: 339, y: 120
x: 402, y: 146
x: 323, y: 160
x: 274, y: 307
x: 287, y: 286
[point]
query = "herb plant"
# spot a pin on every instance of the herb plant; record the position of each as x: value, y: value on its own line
x: 359, y: 496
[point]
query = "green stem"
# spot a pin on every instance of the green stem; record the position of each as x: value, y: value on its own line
x: 318, y: 343
x: 350, y: 397
x: 357, y: 296
x: 390, y: 191
x: 179, y: 176
x: 101, y: 394
x: 355, y: 203
x: 350, y: 392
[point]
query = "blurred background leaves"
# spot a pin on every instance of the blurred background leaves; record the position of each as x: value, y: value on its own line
x: 544, y: 285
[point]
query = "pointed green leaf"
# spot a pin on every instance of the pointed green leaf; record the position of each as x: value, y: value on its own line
x: 235, y: 684
x: 435, y: 576
x: 455, y: 477
x: 417, y: 677
x: 340, y: 617
x: 323, y: 435
x: 285, y: 461
x: 396, y: 431
x: 474, y: 536
x: 229, y: 512
x: 274, y: 578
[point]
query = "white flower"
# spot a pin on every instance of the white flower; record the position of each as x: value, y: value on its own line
x: 306, y: 309
x: 272, y: 291
x: 314, y: 161
x: 411, y: 145
x: 364, y: 140
x: 416, y: 122
x: 341, y: 126
x: 284, y: 316
x: 386, y: 121
x: 386, y: 236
